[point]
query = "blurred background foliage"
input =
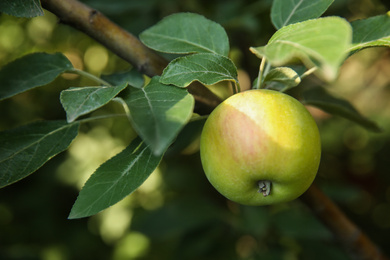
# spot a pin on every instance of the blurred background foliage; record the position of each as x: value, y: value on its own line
x: 176, y: 214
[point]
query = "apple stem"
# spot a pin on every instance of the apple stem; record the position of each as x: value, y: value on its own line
x: 264, y: 187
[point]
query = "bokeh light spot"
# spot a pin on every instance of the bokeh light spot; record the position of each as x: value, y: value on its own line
x: 40, y: 29
x: 96, y: 58
x: 75, y: 58
x: 245, y: 246
x: 132, y: 246
x: 115, y: 221
x: 11, y: 36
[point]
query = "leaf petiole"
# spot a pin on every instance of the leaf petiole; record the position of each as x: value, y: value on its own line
x: 261, y: 73
x: 123, y: 103
x: 85, y: 120
x: 236, y: 87
x: 308, y: 72
x: 90, y: 76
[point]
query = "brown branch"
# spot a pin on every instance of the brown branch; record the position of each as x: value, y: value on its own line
x: 354, y: 241
x: 128, y: 47
x: 122, y: 43
x: 96, y: 25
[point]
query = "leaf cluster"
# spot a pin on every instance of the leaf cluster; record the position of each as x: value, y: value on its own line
x: 160, y: 109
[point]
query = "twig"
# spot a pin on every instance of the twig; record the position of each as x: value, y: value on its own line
x: 122, y: 43
x: 354, y: 241
x: 99, y: 27
x: 90, y: 76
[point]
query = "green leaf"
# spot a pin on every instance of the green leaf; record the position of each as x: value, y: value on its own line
x: 322, y: 42
x: 21, y: 8
x: 25, y: 149
x: 81, y: 101
x: 132, y: 77
x: 282, y: 79
x: 206, y: 68
x: 288, y: 12
x: 320, y: 98
x: 185, y: 33
x: 158, y: 112
x: 31, y: 71
x: 371, y: 32
x: 115, y: 179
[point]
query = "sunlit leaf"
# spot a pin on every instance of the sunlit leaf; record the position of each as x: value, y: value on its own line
x: 21, y: 8
x: 31, y: 71
x: 282, y: 79
x: 292, y: 11
x: 371, y: 32
x: 185, y: 33
x: 25, y: 149
x: 81, y: 101
x: 158, y: 112
x: 206, y: 68
x: 115, y: 179
x: 322, y: 99
x: 322, y: 42
x: 132, y: 77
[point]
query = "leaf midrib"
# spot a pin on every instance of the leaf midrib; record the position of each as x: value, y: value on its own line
x: 37, y: 142
x: 184, y: 41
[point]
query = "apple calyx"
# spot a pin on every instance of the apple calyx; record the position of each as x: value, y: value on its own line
x: 264, y: 187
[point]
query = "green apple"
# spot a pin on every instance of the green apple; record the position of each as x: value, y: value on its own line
x: 260, y: 147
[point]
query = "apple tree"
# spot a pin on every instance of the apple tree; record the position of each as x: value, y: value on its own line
x: 178, y: 71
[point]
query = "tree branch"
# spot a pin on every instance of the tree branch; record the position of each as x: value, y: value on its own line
x: 99, y: 27
x: 122, y: 43
x: 354, y: 241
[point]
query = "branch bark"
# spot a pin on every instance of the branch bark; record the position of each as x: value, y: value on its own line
x: 128, y: 47
x: 99, y: 27
x: 354, y: 241
x: 122, y: 43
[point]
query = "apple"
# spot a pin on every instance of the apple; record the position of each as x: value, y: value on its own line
x: 260, y: 147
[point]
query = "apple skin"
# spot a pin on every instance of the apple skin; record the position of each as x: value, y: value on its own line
x: 260, y: 135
